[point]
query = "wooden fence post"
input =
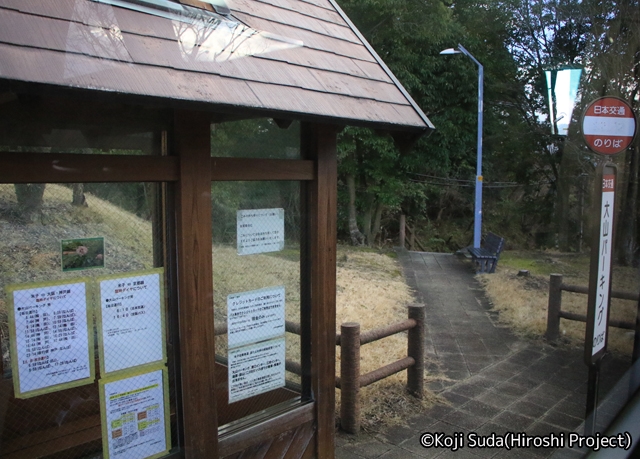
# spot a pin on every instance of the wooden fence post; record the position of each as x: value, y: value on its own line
x: 415, y: 349
x: 403, y: 222
x: 555, y: 305
x: 350, y: 377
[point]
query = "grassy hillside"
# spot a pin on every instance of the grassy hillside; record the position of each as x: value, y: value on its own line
x: 30, y: 252
x: 371, y: 289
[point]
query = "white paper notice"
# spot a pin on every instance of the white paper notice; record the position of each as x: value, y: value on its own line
x: 256, y: 369
x: 260, y: 231
x: 131, y: 325
x: 52, y: 341
x: 134, y: 411
x: 255, y: 316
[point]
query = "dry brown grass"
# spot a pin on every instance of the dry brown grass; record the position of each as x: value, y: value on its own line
x: 522, y: 301
x: 371, y: 288
x: 233, y: 273
x: 31, y: 252
x: 372, y: 292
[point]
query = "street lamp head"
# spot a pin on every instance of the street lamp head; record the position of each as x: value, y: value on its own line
x: 450, y: 51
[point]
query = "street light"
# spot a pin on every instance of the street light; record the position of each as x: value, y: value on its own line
x: 477, y: 217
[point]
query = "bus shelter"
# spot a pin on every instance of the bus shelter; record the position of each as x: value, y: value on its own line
x: 168, y: 210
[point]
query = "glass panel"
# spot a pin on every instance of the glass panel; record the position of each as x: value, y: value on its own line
x: 261, y: 138
x: 256, y: 272
x: 62, y: 236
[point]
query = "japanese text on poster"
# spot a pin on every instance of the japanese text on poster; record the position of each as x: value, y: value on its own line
x: 260, y: 231
x: 134, y: 416
x: 255, y: 316
x: 131, y: 323
x: 53, y: 348
x: 256, y: 369
x: 604, y: 264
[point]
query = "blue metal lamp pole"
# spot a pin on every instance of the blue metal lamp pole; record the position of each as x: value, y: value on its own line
x: 477, y: 217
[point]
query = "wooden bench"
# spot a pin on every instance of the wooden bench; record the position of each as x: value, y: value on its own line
x: 486, y: 258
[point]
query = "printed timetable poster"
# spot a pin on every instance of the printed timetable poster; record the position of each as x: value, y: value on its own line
x: 256, y: 369
x: 135, y: 413
x: 131, y: 320
x: 51, y: 346
x: 260, y: 231
x: 255, y: 316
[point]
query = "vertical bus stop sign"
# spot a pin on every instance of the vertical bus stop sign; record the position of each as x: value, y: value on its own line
x: 600, y: 269
x: 608, y: 125
x: 596, y: 336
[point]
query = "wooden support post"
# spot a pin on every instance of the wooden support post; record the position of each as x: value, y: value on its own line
x: 555, y: 305
x: 195, y: 284
x: 415, y: 349
x: 412, y: 240
x: 319, y: 143
x: 350, y: 377
x: 403, y: 222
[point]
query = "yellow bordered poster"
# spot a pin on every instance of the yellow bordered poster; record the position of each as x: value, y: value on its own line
x: 134, y: 408
x: 130, y: 317
x: 51, y: 332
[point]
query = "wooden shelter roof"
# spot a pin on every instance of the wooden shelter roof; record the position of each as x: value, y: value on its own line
x: 289, y: 58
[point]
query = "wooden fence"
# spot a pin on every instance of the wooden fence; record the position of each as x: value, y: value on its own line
x: 555, y: 312
x: 413, y: 241
x: 350, y: 380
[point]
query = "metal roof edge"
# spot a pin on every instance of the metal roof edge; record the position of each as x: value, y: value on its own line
x: 382, y: 64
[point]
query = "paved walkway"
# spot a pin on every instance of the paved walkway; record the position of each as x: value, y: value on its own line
x: 497, y: 381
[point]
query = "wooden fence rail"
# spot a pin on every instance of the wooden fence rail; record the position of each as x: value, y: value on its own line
x: 555, y: 312
x: 350, y: 380
x: 413, y: 240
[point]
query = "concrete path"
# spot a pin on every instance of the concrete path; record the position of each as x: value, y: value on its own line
x: 497, y: 383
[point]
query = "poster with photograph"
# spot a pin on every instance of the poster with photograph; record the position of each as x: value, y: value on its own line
x: 260, y: 231
x: 255, y: 316
x: 79, y: 254
x: 256, y: 369
x: 135, y: 414
x: 51, y: 344
x: 131, y: 320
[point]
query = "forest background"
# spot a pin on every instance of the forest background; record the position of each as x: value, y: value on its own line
x: 537, y: 186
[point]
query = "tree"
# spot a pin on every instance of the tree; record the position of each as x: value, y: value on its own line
x: 375, y: 173
x: 409, y: 35
x: 29, y: 197
x: 516, y: 40
x: 602, y: 38
x: 78, y: 197
x: 546, y: 35
x: 372, y: 168
x: 614, y: 61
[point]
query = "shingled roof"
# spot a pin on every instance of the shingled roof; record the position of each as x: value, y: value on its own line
x: 293, y: 58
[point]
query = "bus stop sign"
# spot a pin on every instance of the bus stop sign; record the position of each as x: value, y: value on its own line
x: 608, y: 125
